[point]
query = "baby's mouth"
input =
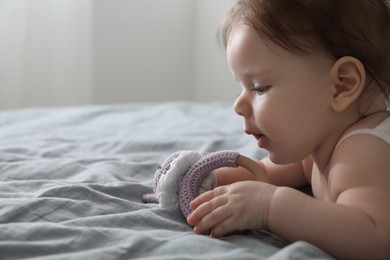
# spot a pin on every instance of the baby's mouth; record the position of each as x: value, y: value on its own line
x: 261, y: 140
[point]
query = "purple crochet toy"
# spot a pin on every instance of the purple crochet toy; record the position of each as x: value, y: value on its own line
x: 185, y: 175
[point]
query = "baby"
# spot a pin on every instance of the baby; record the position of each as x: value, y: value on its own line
x: 315, y: 79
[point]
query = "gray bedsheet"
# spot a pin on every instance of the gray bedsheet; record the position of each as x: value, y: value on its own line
x: 71, y: 182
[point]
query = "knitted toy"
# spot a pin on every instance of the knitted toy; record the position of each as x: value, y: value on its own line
x: 184, y: 175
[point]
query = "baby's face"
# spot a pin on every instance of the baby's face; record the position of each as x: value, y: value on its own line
x: 285, y: 97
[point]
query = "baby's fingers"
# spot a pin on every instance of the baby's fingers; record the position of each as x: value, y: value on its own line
x: 207, y: 210
x: 227, y: 226
x: 210, y: 215
x: 203, y: 205
x: 201, y: 199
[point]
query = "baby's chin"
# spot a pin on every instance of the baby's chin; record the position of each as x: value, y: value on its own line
x: 282, y: 159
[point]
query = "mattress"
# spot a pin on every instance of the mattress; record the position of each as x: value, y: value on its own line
x: 72, y: 180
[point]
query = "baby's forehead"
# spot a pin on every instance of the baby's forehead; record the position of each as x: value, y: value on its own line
x: 237, y: 34
x: 243, y: 34
x: 245, y: 39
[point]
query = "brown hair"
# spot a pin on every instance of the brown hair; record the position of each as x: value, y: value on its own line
x: 358, y: 28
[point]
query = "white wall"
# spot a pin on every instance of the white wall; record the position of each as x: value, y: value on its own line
x: 45, y: 52
x: 143, y: 50
x: 71, y: 52
x: 213, y: 80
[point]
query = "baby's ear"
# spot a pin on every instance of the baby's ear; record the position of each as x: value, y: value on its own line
x: 348, y: 76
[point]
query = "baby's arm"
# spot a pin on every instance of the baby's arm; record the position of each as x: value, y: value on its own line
x: 343, y: 229
x: 355, y: 224
x: 291, y: 175
x: 352, y: 224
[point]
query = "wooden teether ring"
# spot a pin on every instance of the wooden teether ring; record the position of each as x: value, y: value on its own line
x: 190, y: 183
x: 252, y: 167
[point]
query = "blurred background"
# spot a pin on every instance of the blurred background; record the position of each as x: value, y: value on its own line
x: 81, y: 52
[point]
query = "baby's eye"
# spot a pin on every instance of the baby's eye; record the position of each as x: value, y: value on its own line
x: 261, y: 90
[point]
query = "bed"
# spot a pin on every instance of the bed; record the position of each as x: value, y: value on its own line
x: 72, y: 180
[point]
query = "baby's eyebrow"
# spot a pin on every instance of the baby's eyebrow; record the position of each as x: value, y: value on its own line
x: 256, y: 71
x: 257, y: 74
x: 251, y: 73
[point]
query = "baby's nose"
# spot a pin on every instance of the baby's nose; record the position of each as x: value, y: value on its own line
x: 241, y: 106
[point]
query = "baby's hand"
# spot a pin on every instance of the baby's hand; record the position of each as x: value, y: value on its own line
x: 239, y: 206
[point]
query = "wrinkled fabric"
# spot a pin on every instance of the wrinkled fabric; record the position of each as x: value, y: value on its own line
x: 72, y: 180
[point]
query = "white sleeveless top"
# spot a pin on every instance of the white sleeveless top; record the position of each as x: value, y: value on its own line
x: 382, y: 131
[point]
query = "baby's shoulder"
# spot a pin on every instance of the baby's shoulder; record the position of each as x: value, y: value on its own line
x: 362, y: 156
x: 377, y: 127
